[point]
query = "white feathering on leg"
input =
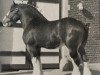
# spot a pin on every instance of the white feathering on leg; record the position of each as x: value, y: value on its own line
x: 64, y: 60
x: 37, y: 68
x: 75, y: 69
x: 86, y: 69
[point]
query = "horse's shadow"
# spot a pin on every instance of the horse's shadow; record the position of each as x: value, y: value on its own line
x: 1, y: 24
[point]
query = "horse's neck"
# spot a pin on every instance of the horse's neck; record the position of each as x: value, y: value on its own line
x: 31, y: 18
x: 29, y: 21
x: 24, y: 21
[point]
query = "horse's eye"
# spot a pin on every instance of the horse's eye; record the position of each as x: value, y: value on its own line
x: 16, y: 9
x: 11, y: 10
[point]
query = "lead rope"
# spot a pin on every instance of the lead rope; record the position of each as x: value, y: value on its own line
x: 3, y: 25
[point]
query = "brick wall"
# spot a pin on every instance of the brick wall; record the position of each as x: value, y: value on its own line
x: 93, y: 43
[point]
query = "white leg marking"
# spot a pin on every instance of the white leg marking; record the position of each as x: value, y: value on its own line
x: 66, y: 54
x: 75, y: 68
x: 5, y: 19
x: 6, y: 15
x: 37, y: 67
x: 86, y: 69
x: 64, y: 59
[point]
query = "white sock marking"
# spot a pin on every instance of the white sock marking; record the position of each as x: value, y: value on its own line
x: 37, y: 67
x: 86, y: 69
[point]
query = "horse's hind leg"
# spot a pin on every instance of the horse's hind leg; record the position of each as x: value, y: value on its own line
x: 35, y: 57
x: 86, y: 70
x: 73, y: 56
x: 79, y: 61
x: 64, y: 59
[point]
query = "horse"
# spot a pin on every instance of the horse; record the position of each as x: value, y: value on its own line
x: 39, y: 32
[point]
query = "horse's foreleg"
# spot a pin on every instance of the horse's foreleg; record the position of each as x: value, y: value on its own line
x: 37, y: 67
x: 35, y: 57
x: 86, y: 70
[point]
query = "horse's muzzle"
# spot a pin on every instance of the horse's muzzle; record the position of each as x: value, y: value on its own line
x: 6, y: 22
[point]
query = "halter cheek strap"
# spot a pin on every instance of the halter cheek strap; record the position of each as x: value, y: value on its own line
x: 16, y: 11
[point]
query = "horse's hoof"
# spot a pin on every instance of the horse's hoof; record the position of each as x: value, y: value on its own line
x: 76, y: 72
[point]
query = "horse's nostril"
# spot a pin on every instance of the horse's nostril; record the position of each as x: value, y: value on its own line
x: 5, y: 24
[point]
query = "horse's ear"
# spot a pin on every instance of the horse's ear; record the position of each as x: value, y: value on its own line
x: 14, y: 3
x: 29, y: 2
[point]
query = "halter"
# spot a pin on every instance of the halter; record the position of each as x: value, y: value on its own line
x: 11, y: 19
x: 3, y: 20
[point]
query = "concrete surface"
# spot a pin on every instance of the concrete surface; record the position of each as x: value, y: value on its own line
x: 95, y: 69
x: 51, y: 72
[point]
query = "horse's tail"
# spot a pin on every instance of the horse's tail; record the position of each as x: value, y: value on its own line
x: 86, y: 28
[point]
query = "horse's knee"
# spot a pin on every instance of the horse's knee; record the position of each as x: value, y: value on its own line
x: 36, y: 53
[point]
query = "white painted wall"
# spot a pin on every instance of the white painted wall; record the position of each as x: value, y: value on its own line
x: 49, y: 10
x: 6, y: 36
x: 65, y: 7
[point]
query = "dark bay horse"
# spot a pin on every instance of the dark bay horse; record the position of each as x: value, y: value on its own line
x: 39, y: 32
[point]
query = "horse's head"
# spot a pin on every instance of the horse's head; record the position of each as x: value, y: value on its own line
x: 12, y: 16
x: 23, y: 12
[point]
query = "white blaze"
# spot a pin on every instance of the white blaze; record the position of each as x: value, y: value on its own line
x: 5, y: 19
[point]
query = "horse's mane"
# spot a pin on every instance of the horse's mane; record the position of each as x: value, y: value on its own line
x: 33, y: 9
